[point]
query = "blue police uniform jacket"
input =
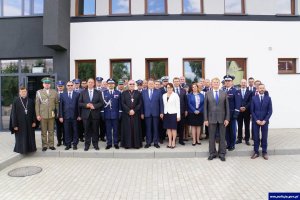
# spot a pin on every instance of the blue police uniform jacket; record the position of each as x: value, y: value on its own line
x: 112, y: 104
x: 234, y: 100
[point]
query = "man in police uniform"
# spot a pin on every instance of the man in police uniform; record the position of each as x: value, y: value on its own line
x: 59, y: 126
x: 111, y: 113
x: 46, y: 102
x: 165, y: 81
x: 79, y: 122
x: 139, y: 84
x: 102, y: 122
x: 234, y: 99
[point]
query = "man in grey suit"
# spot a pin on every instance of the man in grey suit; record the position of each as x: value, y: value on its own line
x: 216, y: 117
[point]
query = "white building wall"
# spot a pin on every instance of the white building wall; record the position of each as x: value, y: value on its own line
x: 262, y: 43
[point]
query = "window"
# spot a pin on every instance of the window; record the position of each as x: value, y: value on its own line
x: 192, y: 6
x: 17, y: 8
x: 120, y: 7
x: 85, y: 69
x: 156, y: 68
x: 237, y: 68
x: 37, y: 66
x: 9, y: 66
x: 12, y: 8
x: 38, y: 7
x: 193, y: 69
x: 234, y: 6
x: 285, y: 7
x: 119, y: 68
x: 156, y: 6
x: 287, y: 66
x: 85, y: 7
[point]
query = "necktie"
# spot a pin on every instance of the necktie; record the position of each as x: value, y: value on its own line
x: 151, y: 92
x: 111, y: 92
x: 177, y: 91
x: 217, y: 97
x: 70, y: 95
x: 243, y: 93
x: 91, y: 97
x: 261, y: 100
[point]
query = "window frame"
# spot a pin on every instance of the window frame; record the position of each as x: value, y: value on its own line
x: 294, y: 61
x: 31, y: 9
x: 147, y: 60
x: 243, y: 9
x: 119, y: 14
x: 164, y: 13
x: 194, y: 59
x: 292, y: 9
x: 77, y: 62
x: 193, y: 13
x: 83, y: 15
x: 111, y: 61
x: 244, y: 67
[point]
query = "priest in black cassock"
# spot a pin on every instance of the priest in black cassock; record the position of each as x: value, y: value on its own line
x: 22, y: 123
x: 131, y: 132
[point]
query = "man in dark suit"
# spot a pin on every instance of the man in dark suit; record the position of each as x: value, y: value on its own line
x: 251, y: 86
x: 90, y: 103
x: 151, y: 111
x: 59, y: 125
x: 111, y: 114
x: 69, y: 114
x: 261, y: 110
x: 244, y: 116
x: 183, y: 108
x: 216, y: 117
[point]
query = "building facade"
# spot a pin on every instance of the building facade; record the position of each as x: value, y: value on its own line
x: 153, y: 38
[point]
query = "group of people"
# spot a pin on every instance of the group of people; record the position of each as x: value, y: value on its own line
x: 129, y: 112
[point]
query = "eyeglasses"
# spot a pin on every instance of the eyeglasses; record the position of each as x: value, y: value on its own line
x: 131, y: 84
x: 69, y: 85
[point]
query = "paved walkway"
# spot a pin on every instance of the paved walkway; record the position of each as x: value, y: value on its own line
x: 178, y: 178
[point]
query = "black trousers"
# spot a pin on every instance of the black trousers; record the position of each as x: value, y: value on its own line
x: 80, y: 129
x: 91, y: 127
x: 102, y: 132
x: 244, y: 118
x: 60, y: 131
x: 180, y: 127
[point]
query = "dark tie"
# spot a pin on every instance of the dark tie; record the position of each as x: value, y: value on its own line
x: 111, y: 92
x: 217, y: 97
x: 70, y: 95
x: 151, y: 93
x: 261, y: 100
x: 177, y: 91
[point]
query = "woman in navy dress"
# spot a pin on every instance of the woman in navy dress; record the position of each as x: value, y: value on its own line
x: 195, y: 113
x: 171, y: 114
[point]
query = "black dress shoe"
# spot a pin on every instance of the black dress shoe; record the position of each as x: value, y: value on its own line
x: 248, y: 143
x: 116, y: 146
x: 68, y: 147
x: 96, y: 148
x: 58, y: 144
x: 81, y: 140
x: 206, y: 137
x: 147, y: 146
x: 103, y: 140
x: 193, y: 144
x: 157, y: 146
x: 211, y: 157
x: 107, y: 147
x: 222, y: 158
x: 74, y: 147
x: 255, y: 155
x: 86, y: 148
x: 52, y: 148
x: 238, y: 142
x: 182, y: 143
x: 228, y: 147
x: 231, y: 148
x: 44, y: 149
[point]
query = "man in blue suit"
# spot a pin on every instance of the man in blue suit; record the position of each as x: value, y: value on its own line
x: 69, y: 114
x: 244, y: 116
x: 151, y: 111
x: 234, y: 99
x: 261, y: 110
x: 111, y: 113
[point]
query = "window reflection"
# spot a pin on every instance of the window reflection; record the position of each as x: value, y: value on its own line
x: 233, y: 6
x: 283, y: 6
x: 9, y: 66
x: 12, y: 8
x: 156, y: 68
x: 191, y: 6
x: 120, y: 68
x: 193, y: 70
x: 120, y: 7
x: 38, y: 6
x: 37, y: 66
x: 86, y: 7
x: 156, y: 6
